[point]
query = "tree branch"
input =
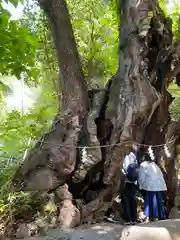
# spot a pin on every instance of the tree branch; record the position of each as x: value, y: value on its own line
x: 74, y: 90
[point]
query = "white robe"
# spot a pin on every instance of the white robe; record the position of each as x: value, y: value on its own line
x: 129, y: 159
x: 151, y: 177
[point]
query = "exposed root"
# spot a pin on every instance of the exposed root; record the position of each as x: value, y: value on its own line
x: 69, y: 215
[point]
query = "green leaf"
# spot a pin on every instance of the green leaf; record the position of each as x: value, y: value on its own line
x: 14, y: 2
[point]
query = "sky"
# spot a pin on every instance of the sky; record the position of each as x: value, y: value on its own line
x: 16, y: 12
x: 22, y: 97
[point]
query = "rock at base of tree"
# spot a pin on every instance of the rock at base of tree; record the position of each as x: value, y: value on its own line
x: 26, y: 230
x: 174, y: 213
x: 63, y: 193
x: 137, y: 233
x: 166, y: 230
x: 69, y: 215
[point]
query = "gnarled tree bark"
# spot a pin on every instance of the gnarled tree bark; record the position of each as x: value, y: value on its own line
x: 72, y: 159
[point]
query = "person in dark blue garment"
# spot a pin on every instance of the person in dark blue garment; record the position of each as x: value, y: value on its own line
x: 128, y: 195
x: 152, y: 182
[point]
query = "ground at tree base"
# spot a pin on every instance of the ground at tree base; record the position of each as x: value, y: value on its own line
x: 160, y: 230
x: 42, y: 226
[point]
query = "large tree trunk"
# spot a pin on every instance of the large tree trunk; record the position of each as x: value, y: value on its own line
x: 132, y: 108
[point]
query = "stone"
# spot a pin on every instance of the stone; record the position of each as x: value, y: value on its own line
x: 63, y: 193
x: 2, y: 229
x: 22, y: 231
x: 26, y: 230
x: 151, y: 232
x: 174, y: 213
x: 69, y: 215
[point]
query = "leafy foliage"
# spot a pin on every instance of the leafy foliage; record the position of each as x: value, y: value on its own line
x: 18, y: 46
x: 19, y: 205
x: 96, y: 30
x: 29, y: 50
x: 175, y: 106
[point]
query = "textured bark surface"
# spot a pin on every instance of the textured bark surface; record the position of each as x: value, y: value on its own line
x: 172, y: 140
x: 132, y: 99
x: 132, y: 108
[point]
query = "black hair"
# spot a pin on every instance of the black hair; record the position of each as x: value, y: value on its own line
x: 148, y: 158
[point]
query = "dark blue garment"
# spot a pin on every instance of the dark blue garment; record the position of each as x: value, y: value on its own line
x: 154, y: 205
x: 160, y: 202
x: 129, y: 203
x: 132, y: 172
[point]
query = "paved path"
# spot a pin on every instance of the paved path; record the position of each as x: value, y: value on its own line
x: 161, y: 230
